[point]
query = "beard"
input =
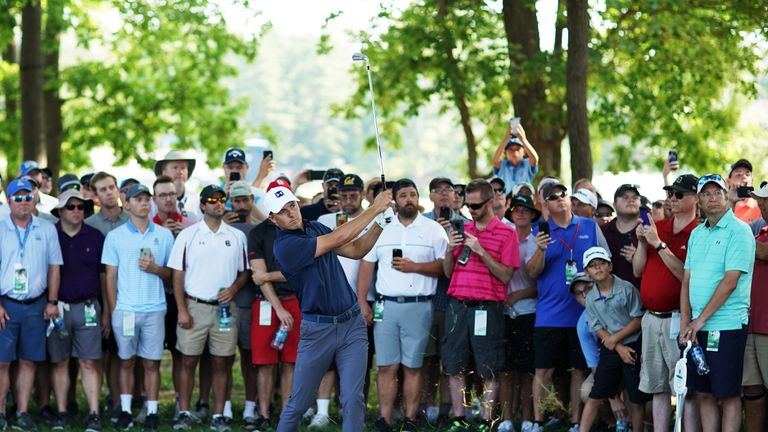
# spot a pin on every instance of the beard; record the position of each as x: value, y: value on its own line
x: 408, y: 211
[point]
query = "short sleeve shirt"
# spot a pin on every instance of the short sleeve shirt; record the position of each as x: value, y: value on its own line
x: 424, y: 240
x: 521, y: 280
x: 41, y: 250
x: 261, y: 240
x: 440, y: 301
x: 616, y: 240
x: 474, y: 281
x: 104, y: 224
x: 82, y: 269
x: 514, y: 174
x: 210, y: 260
x: 556, y: 307
x: 319, y: 282
x: 588, y: 341
x: 712, y: 251
x: 137, y: 290
x: 614, y: 311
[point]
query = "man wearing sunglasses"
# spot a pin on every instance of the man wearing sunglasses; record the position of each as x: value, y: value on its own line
x: 200, y: 292
x: 480, y: 263
x: 661, y: 251
x: 557, y: 259
x: 30, y: 260
x: 714, y: 304
x: 82, y: 283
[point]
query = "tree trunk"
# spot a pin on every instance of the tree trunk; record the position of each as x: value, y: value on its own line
x: 457, y: 88
x: 31, y: 82
x: 560, y: 23
x: 11, y: 96
x: 576, y: 88
x: 530, y: 101
x: 53, y: 123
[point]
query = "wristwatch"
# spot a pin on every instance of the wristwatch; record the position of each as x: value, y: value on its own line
x: 53, y: 302
x: 661, y: 246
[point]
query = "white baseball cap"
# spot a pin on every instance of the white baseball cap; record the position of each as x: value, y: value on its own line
x: 596, y: 252
x: 586, y: 196
x: 277, y: 198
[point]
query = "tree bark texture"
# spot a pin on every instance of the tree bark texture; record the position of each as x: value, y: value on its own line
x: 54, y: 134
x: 31, y: 82
x: 576, y: 88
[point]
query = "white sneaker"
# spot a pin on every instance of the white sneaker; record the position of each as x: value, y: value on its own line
x: 534, y: 427
x: 506, y: 426
x: 574, y: 428
x: 528, y: 426
x: 432, y: 413
x: 319, y: 421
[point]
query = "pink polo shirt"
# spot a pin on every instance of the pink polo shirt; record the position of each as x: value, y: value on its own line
x: 474, y: 281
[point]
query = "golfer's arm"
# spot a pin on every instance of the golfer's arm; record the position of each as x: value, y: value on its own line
x: 346, y: 233
x: 359, y: 247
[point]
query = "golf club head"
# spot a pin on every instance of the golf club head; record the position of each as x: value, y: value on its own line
x: 359, y: 57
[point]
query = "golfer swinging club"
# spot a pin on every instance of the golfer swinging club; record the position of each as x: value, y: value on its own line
x: 332, y: 329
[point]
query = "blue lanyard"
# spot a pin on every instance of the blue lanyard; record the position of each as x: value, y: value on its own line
x: 22, y: 243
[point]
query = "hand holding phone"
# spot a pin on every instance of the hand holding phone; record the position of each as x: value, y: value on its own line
x: 644, y: 217
x: 267, y: 154
x: 514, y: 122
x: 445, y: 213
x: 397, y: 253
x: 674, y: 164
x: 234, y: 176
x: 544, y: 227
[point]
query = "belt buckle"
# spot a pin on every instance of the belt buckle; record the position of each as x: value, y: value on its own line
x: 400, y: 299
x: 335, y: 320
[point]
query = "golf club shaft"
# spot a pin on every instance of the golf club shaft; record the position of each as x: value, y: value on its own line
x: 376, y: 124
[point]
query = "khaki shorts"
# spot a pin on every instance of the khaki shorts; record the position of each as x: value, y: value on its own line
x: 660, y: 354
x: 205, y: 329
x: 756, y: 361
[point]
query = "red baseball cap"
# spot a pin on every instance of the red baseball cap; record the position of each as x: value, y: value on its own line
x: 279, y: 183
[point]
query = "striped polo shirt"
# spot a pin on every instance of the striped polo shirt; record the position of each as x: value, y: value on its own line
x: 474, y: 281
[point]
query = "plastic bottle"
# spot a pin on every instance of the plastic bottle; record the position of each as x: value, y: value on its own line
x: 225, y: 316
x: 621, y: 426
x: 278, y: 342
x: 697, y: 354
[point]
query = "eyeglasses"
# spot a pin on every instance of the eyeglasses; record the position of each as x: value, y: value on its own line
x: 75, y: 206
x: 557, y: 195
x: 22, y: 198
x: 214, y: 200
x: 167, y: 195
x: 597, y: 264
x: 443, y: 190
x: 477, y: 206
x: 677, y: 194
x: 499, y: 190
x: 604, y: 214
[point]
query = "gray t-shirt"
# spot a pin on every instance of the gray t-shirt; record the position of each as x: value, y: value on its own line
x: 101, y: 223
x: 613, y: 312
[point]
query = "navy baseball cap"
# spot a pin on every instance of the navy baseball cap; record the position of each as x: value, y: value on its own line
x: 234, y: 154
x: 137, y: 189
x: 351, y: 182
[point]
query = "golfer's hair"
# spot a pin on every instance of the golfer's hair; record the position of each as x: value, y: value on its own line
x: 482, y: 186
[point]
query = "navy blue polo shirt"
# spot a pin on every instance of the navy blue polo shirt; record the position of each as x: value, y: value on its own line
x: 81, y: 272
x: 320, y: 283
x: 555, y: 306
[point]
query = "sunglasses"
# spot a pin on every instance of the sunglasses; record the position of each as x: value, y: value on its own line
x: 214, y: 200
x: 22, y: 198
x: 477, y: 206
x: 604, y: 214
x: 72, y: 186
x: 557, y: 195
x: 75, y: 206
x: 709, y: 178
x: 677, y: 194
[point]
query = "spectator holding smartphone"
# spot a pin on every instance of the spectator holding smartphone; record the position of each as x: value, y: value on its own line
x: 521, y: 163
x: 739, y: 185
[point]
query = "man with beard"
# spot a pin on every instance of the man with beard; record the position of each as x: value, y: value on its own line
x: 410, y: 256
x: 480, y: 262
x: 179, y: 168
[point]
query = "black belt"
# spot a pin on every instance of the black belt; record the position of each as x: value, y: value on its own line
x: 662, y: 315
x: 27, y: 301
x: 198, y: 300
x: 406, y: 299
x: 86, y: 300
x: 479, y: 303
x: 338, y: 319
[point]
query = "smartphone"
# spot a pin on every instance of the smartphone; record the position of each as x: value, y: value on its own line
x: 316, y: 175
x: 464, y: 257
x: 743, y: 191
x: 544, y: 227
x: 626, y: 240
x: 458, y: 226
x: 644, y: 217
x: 234, y: 176
x: 145, y: 253
x: 445, y: 213
x: 241, y: 218
x: 514, y: 122
x: 341, y: 219
x: 672, y: 158
x: 266, y: 154
x: 397, y: 253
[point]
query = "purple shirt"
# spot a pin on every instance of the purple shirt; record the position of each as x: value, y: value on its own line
x: 82, y: 264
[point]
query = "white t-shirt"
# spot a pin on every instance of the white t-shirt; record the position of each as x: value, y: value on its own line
x: 351, y: 267
x: 210, y: 260
x: 424, y: 240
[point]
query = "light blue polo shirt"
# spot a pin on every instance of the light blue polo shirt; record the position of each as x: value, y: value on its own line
x: 514, y: 174
x: 137, y: 290
x: 712, y: 251
x: 40, y: 250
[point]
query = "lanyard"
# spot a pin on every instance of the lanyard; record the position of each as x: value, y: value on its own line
x: 22, y: 243
x: 575, y: 236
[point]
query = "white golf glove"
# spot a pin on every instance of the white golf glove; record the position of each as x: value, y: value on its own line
x: 384, y: 218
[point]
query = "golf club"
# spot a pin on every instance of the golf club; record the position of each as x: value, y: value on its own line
x: 362, y: 57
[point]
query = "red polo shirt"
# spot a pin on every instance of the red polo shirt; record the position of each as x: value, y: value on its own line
x: 758, y: 308
x: 474, y: 281
x: 660, y: 289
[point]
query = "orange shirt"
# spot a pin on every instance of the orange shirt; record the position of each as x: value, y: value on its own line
x: 747, y: 210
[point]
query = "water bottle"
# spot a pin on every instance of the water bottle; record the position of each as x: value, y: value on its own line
x: 225, y: 316
x: 278, y: 342
x: 621, y: 426
x: 697, y: 354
